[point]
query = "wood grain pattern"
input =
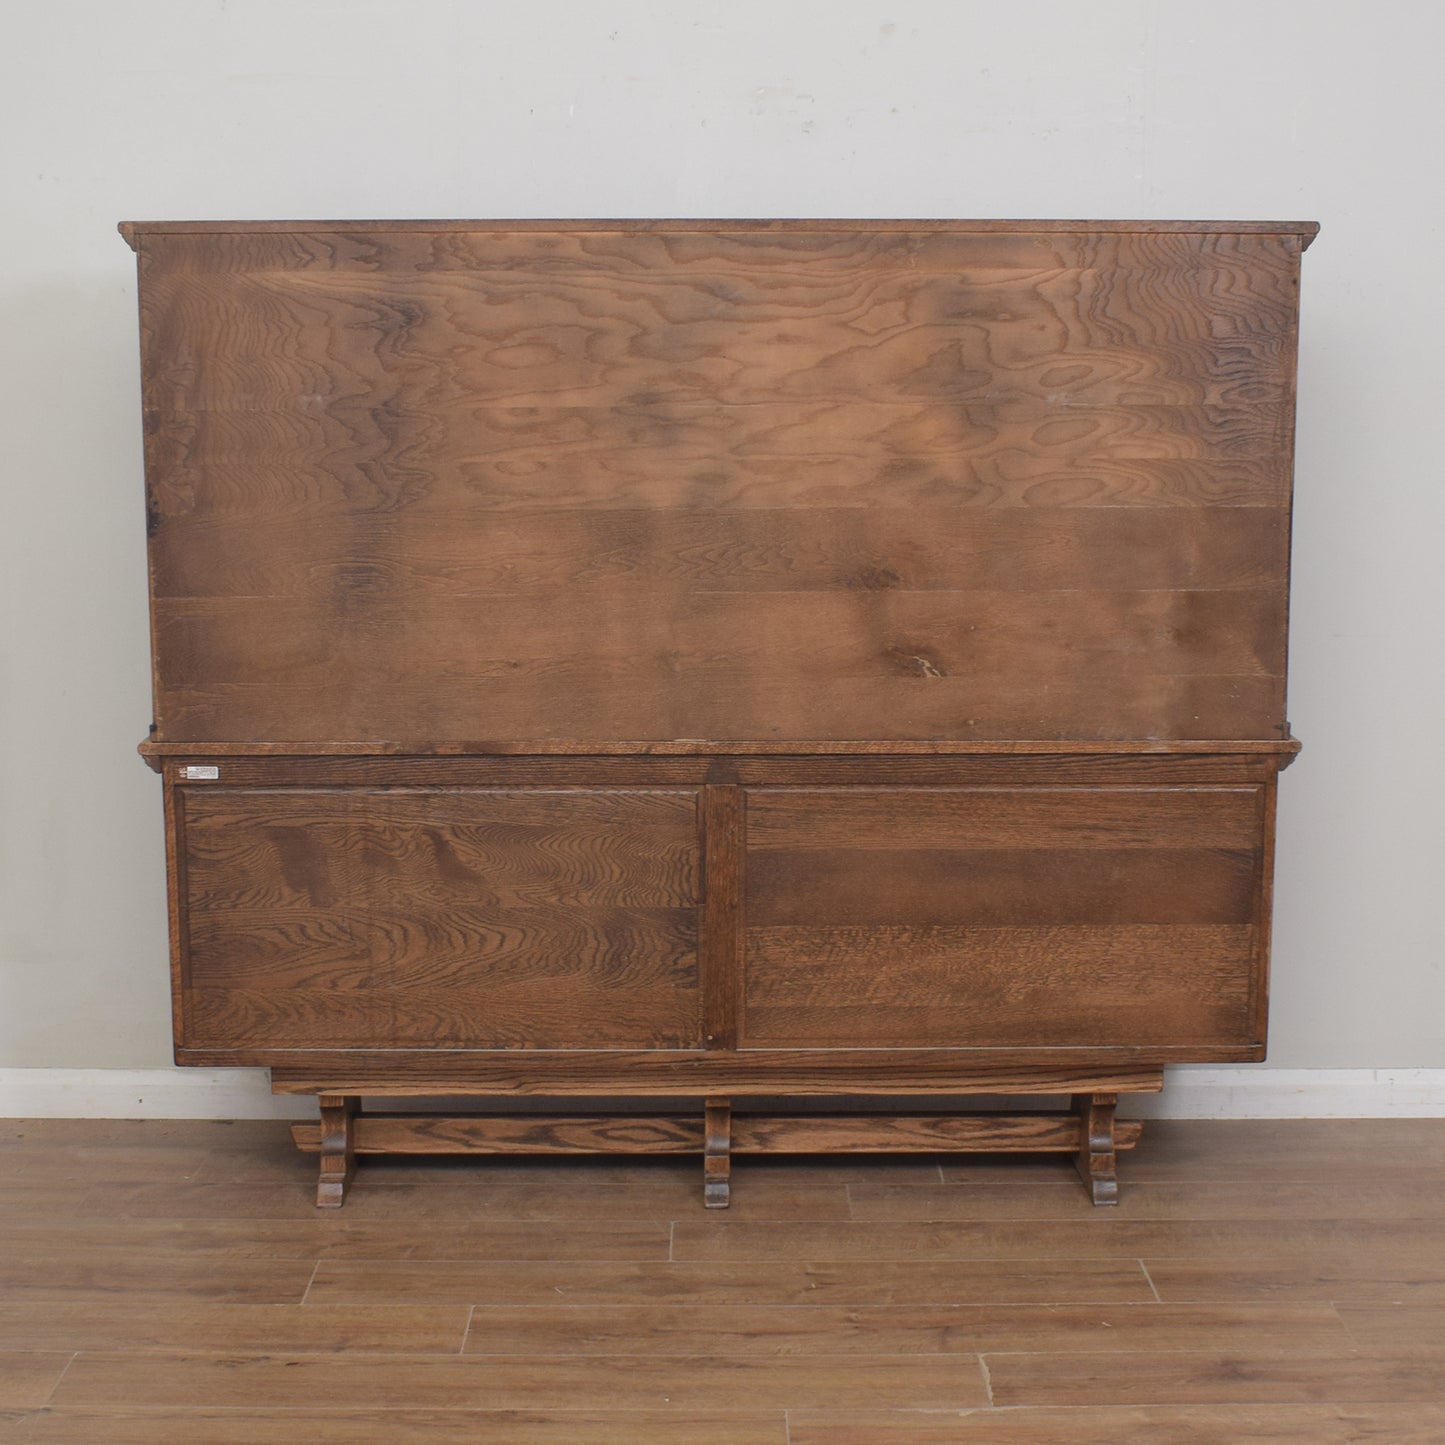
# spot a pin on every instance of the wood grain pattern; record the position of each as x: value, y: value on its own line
x: 488, y: 918
x: 867, y: 819
x: 1223, y: 1199
x: 1193, y: 1256
x: 221, y: 1240
x: 480, y: 1134
x: 1402, y: 1328
x: 336, y: 1144
x: 992, y: 1133
x: 27, y: 1377
x: 1215, y: 1376
x: 663, y: 1073
x: 1002, y: 917
x: 1407, y: 1276
x: 554, y: 459
x: 406, y: 1203
x: 838, y: 1331
x: 618, y: 1383
x: 733, y: 1330
x: 717, y: 1152
x: 717, y: 660
x: 724, y: 823
x: 243, y: 1425
x: 1165, y: 1008
x: 1287, y: 1150
x: 1084, y: 329
x: 639, y: 555
x: 903, y: 1133
x: 780, y: 1282
x: 1129, y: 1425
x: 1024, y: 887
x: 1095, y: 1159
x: 801, y: 454
x: 888, y: 664
x: 154, y: 1278
x: 177, y: 1326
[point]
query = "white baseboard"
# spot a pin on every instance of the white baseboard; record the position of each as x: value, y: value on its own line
x: 1190, y: 1092
x: 1252, y: 1091
x: 146, y: 1094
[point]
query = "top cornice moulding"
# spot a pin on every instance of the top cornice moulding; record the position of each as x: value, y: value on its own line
x: 1304, y: 230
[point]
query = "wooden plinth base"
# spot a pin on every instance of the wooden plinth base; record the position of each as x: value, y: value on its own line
x: 1090, y: 1132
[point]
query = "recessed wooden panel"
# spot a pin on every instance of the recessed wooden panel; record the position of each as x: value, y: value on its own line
x: 634, y: 484
x: 460, y: 918
x: 1002, y: 918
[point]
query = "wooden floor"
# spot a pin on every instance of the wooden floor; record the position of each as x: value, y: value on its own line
x: 171, y: 1284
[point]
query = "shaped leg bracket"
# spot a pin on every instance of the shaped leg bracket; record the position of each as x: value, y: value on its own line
x: 717, y: 1152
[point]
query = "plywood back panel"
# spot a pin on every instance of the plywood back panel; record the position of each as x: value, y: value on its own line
x: 593, y: 484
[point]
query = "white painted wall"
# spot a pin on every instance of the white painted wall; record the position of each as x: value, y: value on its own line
x: 163, y: 109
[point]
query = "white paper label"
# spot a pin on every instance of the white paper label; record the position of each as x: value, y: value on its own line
x: 195, y: 771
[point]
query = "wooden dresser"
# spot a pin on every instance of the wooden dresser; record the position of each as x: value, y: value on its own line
x: 718, y: 661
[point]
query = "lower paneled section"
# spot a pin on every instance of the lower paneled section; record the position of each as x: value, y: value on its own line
x: 567, y: 935
x: 1003, y: 917
x: 459, y: 918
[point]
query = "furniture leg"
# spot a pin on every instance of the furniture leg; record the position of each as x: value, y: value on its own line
x: 1097, y: 1142
x: 717, y: 1152
x: 338, y: 1149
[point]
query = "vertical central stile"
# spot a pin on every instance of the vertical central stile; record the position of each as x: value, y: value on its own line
x: 724, y: 826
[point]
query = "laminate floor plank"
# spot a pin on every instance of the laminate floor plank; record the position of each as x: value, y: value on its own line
x: 1406, y: 1277
x: 335, y: 1235
x: 1400, y: 1329
x: 142, y: 1150
x: 1277, y: 1150
x: 116, y: 1166
x: 1203, y: 1199
x: 47, y: 1200
x: 553, y: 1426
x: 1015, y: 1170
x: 1101, y: 1234
x: 1147, y: 1425
x: 613, y: 1382
x: 477, y: 1199
x: 152, y: 1277
x: 28, y: 1377
x: 745, y: 1330
x: 1208, y: 1377
x: 131, y: 1326
x: 969, y: 1282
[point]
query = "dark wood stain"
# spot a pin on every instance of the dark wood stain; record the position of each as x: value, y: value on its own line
x: 400, y: 472
x: 719, y: 659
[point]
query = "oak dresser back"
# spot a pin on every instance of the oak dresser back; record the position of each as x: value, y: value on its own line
x: 719, y: 658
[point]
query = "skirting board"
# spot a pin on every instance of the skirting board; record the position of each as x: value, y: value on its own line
x: 1240, y: 1092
